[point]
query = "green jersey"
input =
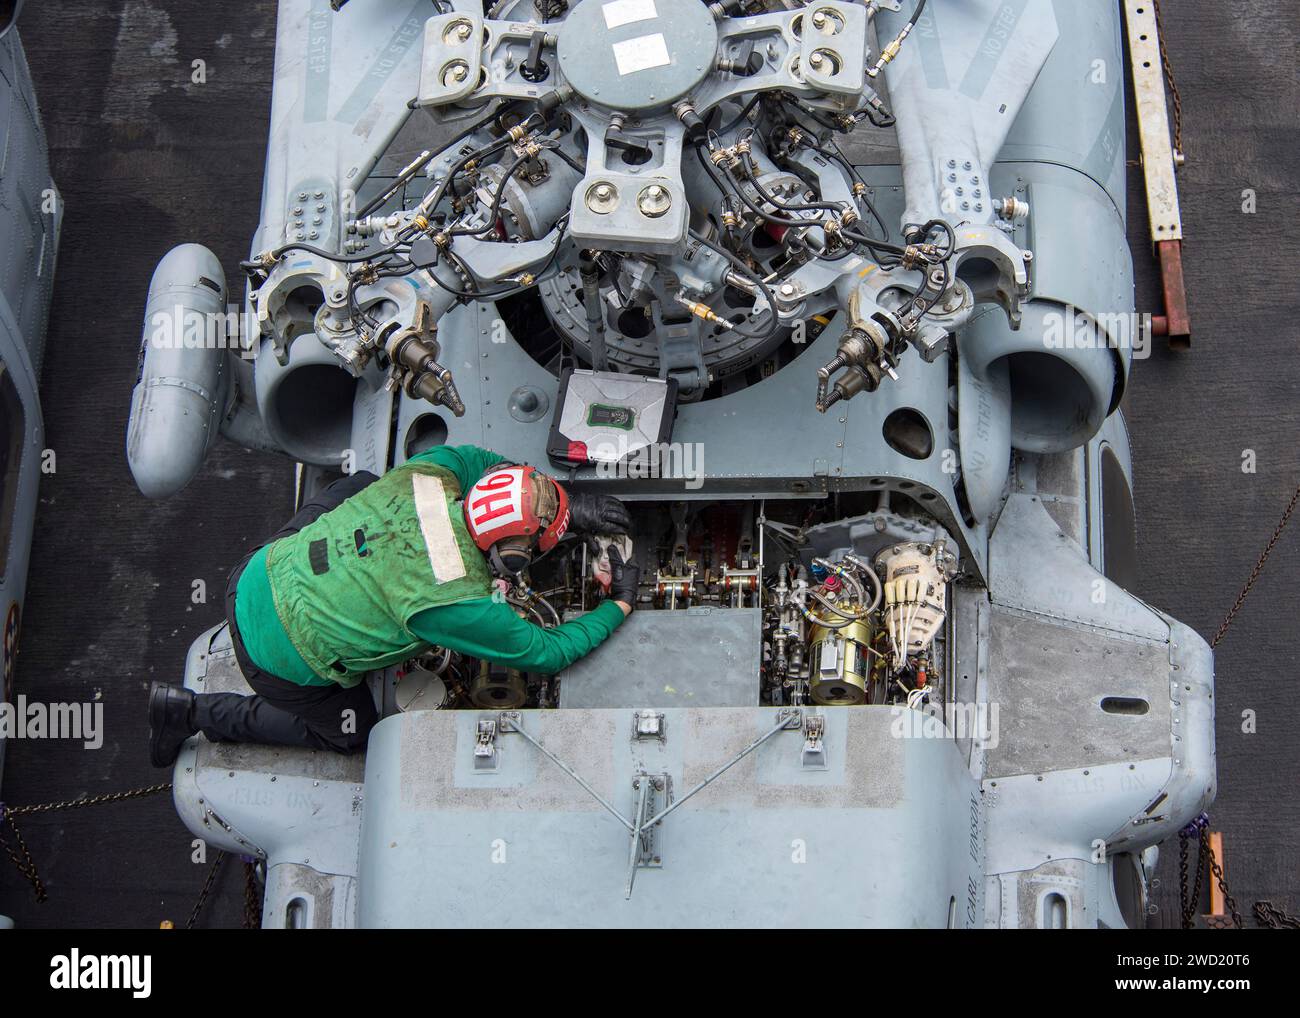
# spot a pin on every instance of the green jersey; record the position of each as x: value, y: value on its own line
x: 388, y: 573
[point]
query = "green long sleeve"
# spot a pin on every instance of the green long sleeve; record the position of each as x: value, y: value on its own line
x: 490, y: 629
x: 467, y: 462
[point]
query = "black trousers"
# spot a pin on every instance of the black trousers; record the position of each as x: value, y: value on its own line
x: 284, y: 713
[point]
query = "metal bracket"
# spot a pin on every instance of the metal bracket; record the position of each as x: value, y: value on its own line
x: 649, y: 724
x: 814, y: 749
x: 486, y: 755
x: 650, y: 792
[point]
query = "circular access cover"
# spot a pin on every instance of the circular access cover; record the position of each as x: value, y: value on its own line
x: 637, y: 54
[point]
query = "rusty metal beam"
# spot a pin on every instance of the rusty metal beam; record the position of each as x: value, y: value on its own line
x: 1175, y: 322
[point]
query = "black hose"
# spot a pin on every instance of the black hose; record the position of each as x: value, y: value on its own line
x: 495, y: 210
x: 468, y: 295
x: 741, y: 115
x: 711, y: 170
x: 482, y: 153
x: 772, y: 199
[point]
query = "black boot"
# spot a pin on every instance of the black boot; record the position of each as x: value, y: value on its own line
x: 171, y: 722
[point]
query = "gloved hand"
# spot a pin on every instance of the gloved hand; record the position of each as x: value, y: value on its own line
x: 598, y: 514
x: 624, y: 577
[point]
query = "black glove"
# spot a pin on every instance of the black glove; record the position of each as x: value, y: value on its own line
x: 598, y: 514
x: 624, y: 577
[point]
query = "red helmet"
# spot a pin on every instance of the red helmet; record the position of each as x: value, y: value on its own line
x: 510, y: 509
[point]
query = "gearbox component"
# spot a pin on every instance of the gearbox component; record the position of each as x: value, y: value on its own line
x: 915, y: 594
x: 841, y: 664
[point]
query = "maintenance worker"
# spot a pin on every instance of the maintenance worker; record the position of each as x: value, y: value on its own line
x: 374, y: 571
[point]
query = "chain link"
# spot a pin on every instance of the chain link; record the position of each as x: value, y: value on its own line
x: 206, y: 890
x: 1274, y: 918
x: 252, y: 896
x: 1200, y: 829
x: 1217, y: 870
x: 1259, y: 568
x: 1168, y: 67
x: 94, y: 800
x: 22, y: 856
x: 1184, y: 909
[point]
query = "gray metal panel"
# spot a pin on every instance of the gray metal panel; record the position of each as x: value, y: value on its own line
x: 1064, y: 123
x: 30, y: 213
x: 342, y: 82
x: 699, y: 657
x: 1036, y: 568
x: 888, y: 835
x: 1049, y: 682
x: 284, y: 805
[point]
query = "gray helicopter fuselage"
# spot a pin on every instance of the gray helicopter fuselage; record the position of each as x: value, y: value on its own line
x: 1069, y: 727
x: 31, y: 212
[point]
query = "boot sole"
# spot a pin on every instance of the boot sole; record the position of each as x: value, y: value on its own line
x: 157, y: 724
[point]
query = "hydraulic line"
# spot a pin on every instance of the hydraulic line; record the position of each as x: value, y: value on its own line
x: 595, y: 315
